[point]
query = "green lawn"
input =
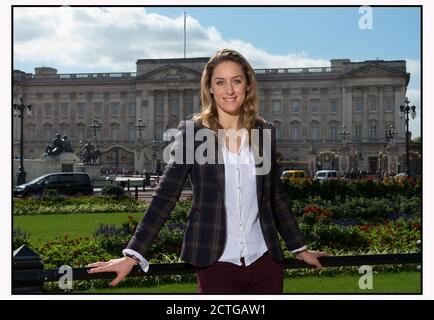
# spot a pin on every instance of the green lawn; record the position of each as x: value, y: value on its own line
x: 393, y: 282
x: 48, y: 227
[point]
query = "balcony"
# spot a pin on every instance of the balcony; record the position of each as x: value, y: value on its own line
x: 294, y: 72
x: 120, y: 76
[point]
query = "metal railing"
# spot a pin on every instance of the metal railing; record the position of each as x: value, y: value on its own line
x: 29, y: 275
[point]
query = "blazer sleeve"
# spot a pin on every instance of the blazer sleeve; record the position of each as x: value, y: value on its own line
x: 164, y: 197
x: 285, y: 220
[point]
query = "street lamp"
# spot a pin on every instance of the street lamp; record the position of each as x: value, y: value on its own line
x: 405, y: 112
x: 95, y: 125
x: 139, y: 126
x: 19, y: 110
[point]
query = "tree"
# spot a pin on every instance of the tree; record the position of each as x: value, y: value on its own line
x: 417, y: 140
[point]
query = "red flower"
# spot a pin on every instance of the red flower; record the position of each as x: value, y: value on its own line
x: 416, y: 226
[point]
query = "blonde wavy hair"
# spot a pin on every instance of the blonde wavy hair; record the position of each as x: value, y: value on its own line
x: 250, y: 108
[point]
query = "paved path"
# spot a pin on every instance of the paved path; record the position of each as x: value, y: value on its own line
x: 147, y: 196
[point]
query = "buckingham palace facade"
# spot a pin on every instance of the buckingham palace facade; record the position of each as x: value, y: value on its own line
x: 326, y: 117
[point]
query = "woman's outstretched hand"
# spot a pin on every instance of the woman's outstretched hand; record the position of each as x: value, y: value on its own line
x: 121, y: 266
x: 311, y: 257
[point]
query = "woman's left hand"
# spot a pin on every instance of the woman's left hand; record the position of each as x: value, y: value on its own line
x: 311, y: 257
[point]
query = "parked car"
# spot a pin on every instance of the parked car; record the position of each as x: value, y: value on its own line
x: 404, y: 175
x: 68, y: 183
x: 326, y: 175
x: 294, y: 176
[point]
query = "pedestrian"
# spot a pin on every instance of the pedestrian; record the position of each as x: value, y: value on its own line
x: 236, y: 215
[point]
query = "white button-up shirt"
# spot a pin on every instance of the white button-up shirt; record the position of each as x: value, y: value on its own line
x: 244, y: 236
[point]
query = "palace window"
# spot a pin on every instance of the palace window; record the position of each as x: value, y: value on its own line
x: 358, y: 132
x: 358, y: 105
x: 295, y: 105
x: 295, y: 132
x: 115, y: 109
x: 47, y: 110
x: 374, y: 105
x: 81, y: 107
x: 388, y: 104
x: 132, y: 109
x: 333, y: 106
x: 314, y: 105
x: 373, y: 132
x: 64, y: 110
x: 275, y: 106
x: 334, y: 133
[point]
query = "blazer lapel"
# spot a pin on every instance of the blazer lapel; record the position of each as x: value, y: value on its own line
x: 257, y: 153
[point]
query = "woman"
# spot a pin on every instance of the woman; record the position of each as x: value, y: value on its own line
x: 237, y: 211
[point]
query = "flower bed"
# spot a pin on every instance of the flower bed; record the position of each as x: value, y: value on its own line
x: 75, y: 205
x: 344, y: 217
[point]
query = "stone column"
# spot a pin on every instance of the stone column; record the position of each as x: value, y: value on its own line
x: 139, y: 158
x: 90, y: 112
x: 55, y: 111
x: 123, y: 114
x: 392, y: 159
x: 105, y: 129
x: 166, y: 108
x: 311, y: 160
x: 347, y: 110
x: 196, y: 106
x: 344, y: 159
x: 151, y: 113
x: 73, y: 107
x: 38, y: 111
x: 285, y: 112
x: 399, y: 99
x: 181, y: 104
x: 266, y: 107
x: 381, y: 127
x: 365, y: 124
x: 139, y: 110
x: 305, y: 113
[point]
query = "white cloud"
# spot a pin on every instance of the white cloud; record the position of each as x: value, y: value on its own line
x: 413, y: 67
x: 112, y: 39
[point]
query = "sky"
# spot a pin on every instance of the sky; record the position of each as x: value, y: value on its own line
x: 111, y: 39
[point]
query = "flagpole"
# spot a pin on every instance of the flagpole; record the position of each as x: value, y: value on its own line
x: 185, y: 34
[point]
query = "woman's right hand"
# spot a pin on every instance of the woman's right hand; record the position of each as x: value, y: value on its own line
x: 121, y: 266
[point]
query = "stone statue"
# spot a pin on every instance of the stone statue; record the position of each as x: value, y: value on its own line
x: 66, y: 145
x: 89, y: 154
x: 55, y: 148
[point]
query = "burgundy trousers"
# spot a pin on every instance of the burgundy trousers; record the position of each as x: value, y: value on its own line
x: 265, y: 275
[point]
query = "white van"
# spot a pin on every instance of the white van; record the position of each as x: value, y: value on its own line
x: 326, y: 175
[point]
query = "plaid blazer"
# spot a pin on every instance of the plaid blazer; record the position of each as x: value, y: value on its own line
x: 205, y: 234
